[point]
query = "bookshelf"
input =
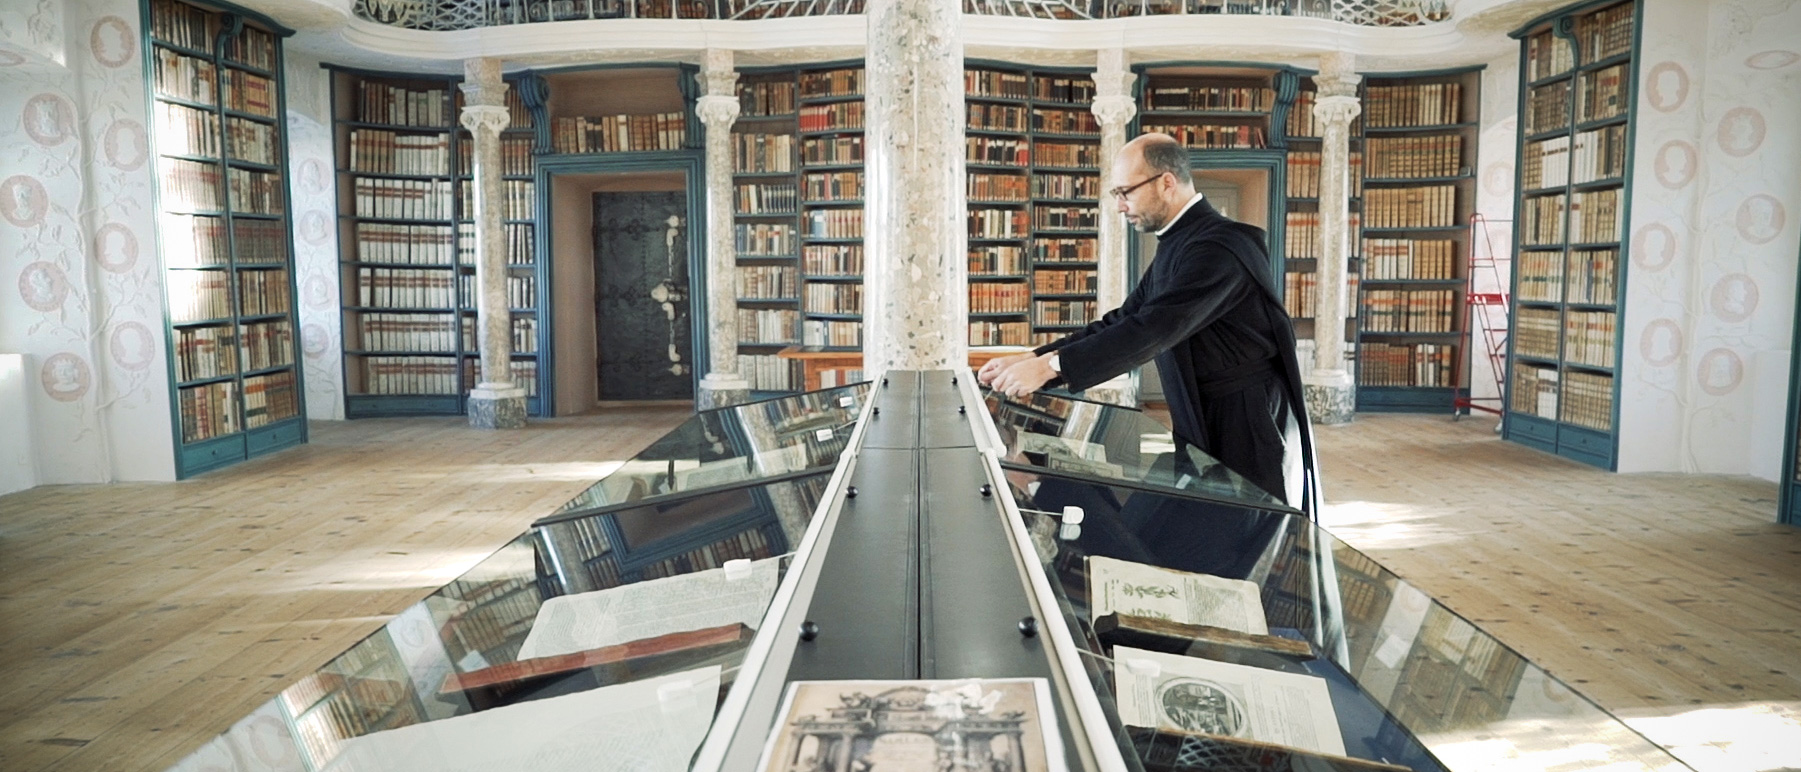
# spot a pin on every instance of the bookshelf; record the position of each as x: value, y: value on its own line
x: 766, y: 156
x: 1575, y: 161
x: 214, y: 76
x: 1300, y: 213
x: 1033, y: 168
x: 1418, y: 159
x: 1065, y: 191
x: 829, y: 189
x: 407, y: 236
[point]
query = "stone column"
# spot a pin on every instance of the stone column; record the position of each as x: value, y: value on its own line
x: 1330, y: 392
x: 718, y: 108
x: 915, y: 237
x: 496, y: 402
x: 1113, y: 109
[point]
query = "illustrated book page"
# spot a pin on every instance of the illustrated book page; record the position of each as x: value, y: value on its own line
x: 1168, y: 691
x: 986, y: 724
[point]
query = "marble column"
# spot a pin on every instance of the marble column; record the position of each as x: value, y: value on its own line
x: 1330, y: 392
x: 718, y: 108
x: 495, y: 402
x: 915, y: 238
x: 1113, y: 109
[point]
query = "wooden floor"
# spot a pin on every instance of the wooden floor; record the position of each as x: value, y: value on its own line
x: 137, y: 621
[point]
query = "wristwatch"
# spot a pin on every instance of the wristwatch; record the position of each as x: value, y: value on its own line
x: 1057, y: 363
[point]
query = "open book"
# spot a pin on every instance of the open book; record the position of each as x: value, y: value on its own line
x: 1135, y: 589
x: 1186, y: 694
x: 632, y: 612
x: 656, y: 723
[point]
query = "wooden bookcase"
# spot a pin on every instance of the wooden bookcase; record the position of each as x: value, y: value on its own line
x: 1032, y: 157
x: 1577, y: 67
x: 766, y: 147
x: 214, y: 75
x: 1066, y: 183
x: 1418, y: 160
x: 1300, y: 215
x: 998, y: 168
x: 830, y: 202
x: 1033, y: 187
x: 407, y: 244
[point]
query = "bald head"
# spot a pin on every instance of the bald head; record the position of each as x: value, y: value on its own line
x: 1161, y: 153
x: 1155, y: 178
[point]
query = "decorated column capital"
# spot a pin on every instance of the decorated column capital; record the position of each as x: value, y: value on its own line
x: 717, y: 111
x: 479, y: 118
x: 1337, y: 110
x: 1114, y: 110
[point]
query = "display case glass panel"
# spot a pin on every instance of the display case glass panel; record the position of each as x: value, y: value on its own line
x: 610, y: 637
x: 732, y: 445
x: 1216, y: 627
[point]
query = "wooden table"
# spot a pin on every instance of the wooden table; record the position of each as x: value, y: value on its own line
x: 818, y: 359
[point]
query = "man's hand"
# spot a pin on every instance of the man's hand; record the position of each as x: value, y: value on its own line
x: 993, y: 367
x: 1024, y: 376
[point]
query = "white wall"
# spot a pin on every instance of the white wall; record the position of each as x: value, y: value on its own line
x: 18, y: 465
x: 1715, y: 203
x: 78, y: 249
x: 312, y: 191
x: 1495, y: 154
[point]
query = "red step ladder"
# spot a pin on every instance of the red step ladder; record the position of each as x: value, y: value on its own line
x: 1487, y: 306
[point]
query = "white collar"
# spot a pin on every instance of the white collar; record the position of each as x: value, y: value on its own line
x: 1173, y: 220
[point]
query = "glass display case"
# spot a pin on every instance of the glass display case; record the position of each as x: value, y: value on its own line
x: 912, y: 575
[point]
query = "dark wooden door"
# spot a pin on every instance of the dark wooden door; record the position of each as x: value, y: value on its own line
x: 644, y: 339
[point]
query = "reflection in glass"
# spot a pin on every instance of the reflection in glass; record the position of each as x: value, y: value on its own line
x: 1410, y: 682
x: 732, y: 445
x: 1094, y: 440
x: 650, y: 627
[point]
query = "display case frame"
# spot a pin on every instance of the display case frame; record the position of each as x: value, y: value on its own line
x: 1788, y: 509
x: 878, y: 587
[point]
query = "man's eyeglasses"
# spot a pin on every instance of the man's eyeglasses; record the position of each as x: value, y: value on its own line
x: 1121, y: 193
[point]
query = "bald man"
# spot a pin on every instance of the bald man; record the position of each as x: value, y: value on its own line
x: 1209, y: 313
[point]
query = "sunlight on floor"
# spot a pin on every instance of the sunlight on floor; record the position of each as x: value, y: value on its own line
x: 1744, y: 737
x: 582, y: 471
x: 1375, y: 525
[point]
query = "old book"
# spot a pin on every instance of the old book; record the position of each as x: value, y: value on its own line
x: 1136, y: 589
x: 915, y: 726
x: 655, y: 723
x: 619, y: 615
x: 1184, y: 694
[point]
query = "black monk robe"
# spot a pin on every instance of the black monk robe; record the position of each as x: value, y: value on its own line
x: 1208, y: 312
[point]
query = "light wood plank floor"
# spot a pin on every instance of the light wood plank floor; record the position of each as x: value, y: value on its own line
x: 137, y: 621
x: 1672, y: 600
